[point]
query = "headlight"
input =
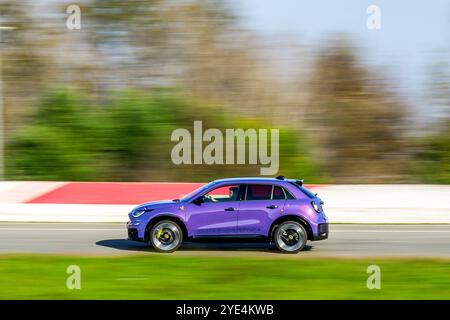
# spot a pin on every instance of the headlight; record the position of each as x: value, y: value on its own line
x: 315, y: 206
x: 140, y: 212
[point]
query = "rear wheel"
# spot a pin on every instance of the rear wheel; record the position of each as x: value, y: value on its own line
x: 290, y: 237
x: 166, y: 236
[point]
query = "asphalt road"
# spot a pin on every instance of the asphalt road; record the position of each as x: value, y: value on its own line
x: 345, y: 240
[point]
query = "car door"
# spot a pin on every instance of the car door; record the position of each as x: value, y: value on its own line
x: 217, y: 214
x: 262, y: 204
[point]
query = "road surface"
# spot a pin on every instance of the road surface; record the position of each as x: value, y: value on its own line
x: 345, y: 240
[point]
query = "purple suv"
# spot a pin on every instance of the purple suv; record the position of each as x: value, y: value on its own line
x: 281, y: 210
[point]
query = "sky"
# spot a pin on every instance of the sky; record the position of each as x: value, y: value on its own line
x: 412, y: 32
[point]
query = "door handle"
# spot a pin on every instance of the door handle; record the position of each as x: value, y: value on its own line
x: 229, y: 209
x: 272, y: 207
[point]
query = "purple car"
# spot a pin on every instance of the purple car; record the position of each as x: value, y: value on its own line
x: 278, y: 209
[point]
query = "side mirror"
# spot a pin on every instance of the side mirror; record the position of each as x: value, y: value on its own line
x: 198, y: 201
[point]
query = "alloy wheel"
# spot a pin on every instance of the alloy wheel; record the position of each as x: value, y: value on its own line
x: 290, y: 237
x: 166, y: 236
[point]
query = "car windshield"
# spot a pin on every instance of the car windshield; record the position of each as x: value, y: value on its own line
x: 198, y: 190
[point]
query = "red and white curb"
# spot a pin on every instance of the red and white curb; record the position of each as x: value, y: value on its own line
x: 111, y: 202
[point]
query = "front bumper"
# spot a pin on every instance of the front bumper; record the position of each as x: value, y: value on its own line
x: 322, y: 232
x: 133, y: 235
x: 133, y: 232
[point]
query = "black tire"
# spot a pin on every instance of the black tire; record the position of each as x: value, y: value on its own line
x: 290, y: 237
x: 166, y: 236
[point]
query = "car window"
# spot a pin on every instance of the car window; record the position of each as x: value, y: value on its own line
x: 289, y: 196
x: 259, y: 192
x: 278, y: 193
x: 222, y: 194
x: 308, y: 193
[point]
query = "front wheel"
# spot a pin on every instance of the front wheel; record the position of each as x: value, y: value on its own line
x: 166, y: 236
x: 290, y: 237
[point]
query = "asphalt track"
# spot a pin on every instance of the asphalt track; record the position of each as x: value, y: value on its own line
x: 358, y: 240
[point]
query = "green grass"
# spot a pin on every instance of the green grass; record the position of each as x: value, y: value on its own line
x: 187, y: 277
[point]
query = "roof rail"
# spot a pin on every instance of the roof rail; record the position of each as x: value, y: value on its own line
x: 280, y: 178
x: 299, y: 182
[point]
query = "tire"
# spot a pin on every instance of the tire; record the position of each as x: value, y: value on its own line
x: 166, y: 236
x: 290, y: 237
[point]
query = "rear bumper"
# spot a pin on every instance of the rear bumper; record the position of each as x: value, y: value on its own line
x: 322, y: 232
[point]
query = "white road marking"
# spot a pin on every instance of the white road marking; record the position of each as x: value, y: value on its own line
x: 390, y: 231
x: 60, y: 229
x: 124, y: 229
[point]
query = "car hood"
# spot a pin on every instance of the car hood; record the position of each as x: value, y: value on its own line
x: 155, y: 205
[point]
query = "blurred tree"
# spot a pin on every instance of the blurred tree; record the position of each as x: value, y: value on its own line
x: 131, y: 38
x: 23, y: 72
x: 138, y: 44
x: 57, y: 145
x: 433, y: 160
x: 439, y: 83
x: 356, y: 118
x: 221, y: 61
x: 128, y: 139
x: 197, y: 45
x: 224, y: 80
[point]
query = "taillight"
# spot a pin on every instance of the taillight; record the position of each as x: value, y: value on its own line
x: 316, y: 207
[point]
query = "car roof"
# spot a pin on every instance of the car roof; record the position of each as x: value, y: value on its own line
x: 250, y: 180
